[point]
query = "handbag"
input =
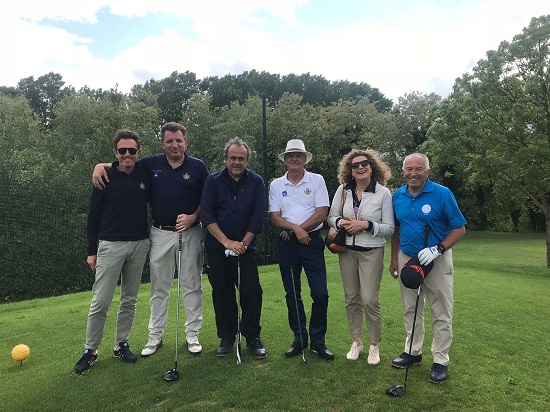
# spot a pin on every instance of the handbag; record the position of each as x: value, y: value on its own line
x: 335, y: 240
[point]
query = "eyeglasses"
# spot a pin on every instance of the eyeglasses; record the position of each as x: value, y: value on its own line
x: 363, y: 163
x: 122, y: 150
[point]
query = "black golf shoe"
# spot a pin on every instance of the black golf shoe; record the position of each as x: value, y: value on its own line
x: 85, y: 362
x: 225, y: 346
x: 405, y: 360
x: 295, y: 349
x: 321, y: 350
x: 438, y: 373
x: 124, y: 353
x: 257, y: 348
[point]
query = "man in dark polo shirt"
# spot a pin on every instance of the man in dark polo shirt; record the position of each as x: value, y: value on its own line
x: 118, y: 241
x: 177, y: 184
x: 232, y: 208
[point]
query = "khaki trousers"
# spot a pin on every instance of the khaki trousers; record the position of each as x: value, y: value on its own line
x: 361, y: 276
x: 438, y: 289
x: 162, y: 262
x: 124, y: 259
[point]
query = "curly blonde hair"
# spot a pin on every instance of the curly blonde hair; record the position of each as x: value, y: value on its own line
x: 380, y: 170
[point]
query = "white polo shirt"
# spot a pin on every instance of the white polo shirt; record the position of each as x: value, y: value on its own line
x: 298, y: 203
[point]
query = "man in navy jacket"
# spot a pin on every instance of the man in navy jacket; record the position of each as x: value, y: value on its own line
x: 232, y: 207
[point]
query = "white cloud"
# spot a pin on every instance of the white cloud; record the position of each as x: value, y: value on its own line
x: 423, y: 50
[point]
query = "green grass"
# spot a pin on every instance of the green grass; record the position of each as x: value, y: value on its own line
x: 498, y: 357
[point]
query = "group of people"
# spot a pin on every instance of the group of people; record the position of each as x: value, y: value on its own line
x: 184, y: 198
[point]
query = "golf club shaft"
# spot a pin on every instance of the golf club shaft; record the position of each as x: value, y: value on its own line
x: 238, y: 310
x: 412, y: 332
x: 180, y: 240
x: 297, y: 312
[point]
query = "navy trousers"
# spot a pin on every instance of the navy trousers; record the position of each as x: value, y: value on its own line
x: 293, y: 256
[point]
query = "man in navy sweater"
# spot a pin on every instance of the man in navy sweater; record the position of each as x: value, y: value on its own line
x: 232, y: 207
x: 118, y: 241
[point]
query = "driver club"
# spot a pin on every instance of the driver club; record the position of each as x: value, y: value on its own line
x: 173, y: 374
x: 399, y: 390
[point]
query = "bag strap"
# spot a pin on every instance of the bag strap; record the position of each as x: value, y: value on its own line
x: 343, y: 200
x: 426, y: 232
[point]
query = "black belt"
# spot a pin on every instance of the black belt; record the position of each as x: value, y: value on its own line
x: 361, y: 248
x: 314, y: 233
x: 172, y: 228
x: 164, y: 227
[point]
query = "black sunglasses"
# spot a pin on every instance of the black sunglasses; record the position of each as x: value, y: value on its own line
x: 122, y: 150
x: 363, y: 163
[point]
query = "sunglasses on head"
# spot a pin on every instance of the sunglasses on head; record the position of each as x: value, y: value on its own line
x: 122, y: 150
x: 363, y: 163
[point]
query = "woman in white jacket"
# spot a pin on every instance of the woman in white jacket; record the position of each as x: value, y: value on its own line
x: 362, y: 206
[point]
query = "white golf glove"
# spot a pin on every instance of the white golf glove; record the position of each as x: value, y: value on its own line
x: 229, y: 252
x: 427, y: 255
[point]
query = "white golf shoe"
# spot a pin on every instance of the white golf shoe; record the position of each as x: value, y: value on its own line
x: 355, y: 351
x: 374, y: 355
x: 152, y: 346
x: 193, y: 344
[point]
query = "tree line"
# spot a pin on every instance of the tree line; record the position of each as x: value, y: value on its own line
x: 489, y: 141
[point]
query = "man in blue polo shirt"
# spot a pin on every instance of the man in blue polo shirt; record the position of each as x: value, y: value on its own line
x: 118, y: 241
x: 418, y: 204
x: 232, y: 209
x: 177, y: 184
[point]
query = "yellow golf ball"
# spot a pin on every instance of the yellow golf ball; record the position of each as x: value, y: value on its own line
x: 20, y: 352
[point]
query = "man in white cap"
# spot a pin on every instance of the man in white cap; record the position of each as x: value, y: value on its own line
x: 298, y: 206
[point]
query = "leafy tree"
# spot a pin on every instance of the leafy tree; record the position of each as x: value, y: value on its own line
x: 173, y: 93
x: 500, y: 115
x: 43, y: 94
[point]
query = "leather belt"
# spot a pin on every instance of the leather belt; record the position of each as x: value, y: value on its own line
x: 173, y: 228
x: 314, y: 233
x: 164, y: 227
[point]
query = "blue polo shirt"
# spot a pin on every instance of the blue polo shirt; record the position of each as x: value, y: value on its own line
x: 236, y: 206
x: 435, y: 205
x: 174, y: 191
x: 119, y: 212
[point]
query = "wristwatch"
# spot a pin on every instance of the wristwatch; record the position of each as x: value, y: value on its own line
x: 440, y: 248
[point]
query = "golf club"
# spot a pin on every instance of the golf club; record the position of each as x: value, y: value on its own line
x: 173, y: 374
x: 297, y: 313
x: 399, y: 390
x: 238, y: 310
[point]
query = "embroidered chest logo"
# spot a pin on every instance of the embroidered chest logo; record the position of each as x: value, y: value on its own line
x: 426, y: 209
x: 307, y: 191
x: 156, y: 174
x: 142, y: 185
x: 285, y: 193
x: 186, y: 176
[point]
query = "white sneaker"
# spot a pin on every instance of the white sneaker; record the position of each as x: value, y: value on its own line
x: 152, y: 346
x: 355, y: 351
x: 374, y: 355
x: 193, y: 344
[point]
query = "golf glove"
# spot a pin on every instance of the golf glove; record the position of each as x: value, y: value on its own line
x: 229, y: 252
x: 427, y: 255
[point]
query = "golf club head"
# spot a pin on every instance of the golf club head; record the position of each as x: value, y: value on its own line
x: 396, y: 391
x: 171, y: 375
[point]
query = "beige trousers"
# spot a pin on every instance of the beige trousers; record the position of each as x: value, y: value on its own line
x: 438, y: 289
x: 361, y: 275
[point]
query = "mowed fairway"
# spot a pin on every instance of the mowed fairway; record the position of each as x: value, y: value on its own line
x: 498, y: 359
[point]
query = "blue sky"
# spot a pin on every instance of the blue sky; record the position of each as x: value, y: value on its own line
x: 397, y: 46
